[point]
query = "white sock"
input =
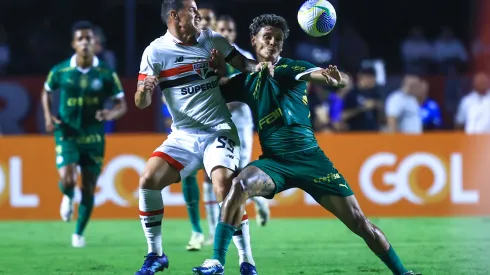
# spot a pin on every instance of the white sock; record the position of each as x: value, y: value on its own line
x: 151, y: 215
x: 211, y: 206
x: 260, y: 202
x: 241, y: 239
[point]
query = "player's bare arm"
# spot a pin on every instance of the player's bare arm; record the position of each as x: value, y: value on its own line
x: 49, y: 119
x: 119, y: 109
x: 243, y: 64
x: 144, y: 91
x: 330, y: 76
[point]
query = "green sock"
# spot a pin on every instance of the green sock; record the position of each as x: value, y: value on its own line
x: 84, y: 212
x: 222, y: 238
x: 191, y: 197
x: 70, y: 191
x: 392, y: 261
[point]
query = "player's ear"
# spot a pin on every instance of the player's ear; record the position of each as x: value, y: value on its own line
x: 174, y: 15
x: 253, y: 41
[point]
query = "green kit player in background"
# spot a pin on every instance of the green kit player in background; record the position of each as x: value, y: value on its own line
x: 84, y: 84
x: 291, y: 155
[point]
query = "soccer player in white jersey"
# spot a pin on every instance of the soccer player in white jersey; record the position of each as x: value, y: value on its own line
x: 181, y: 63
x: 242, y: 116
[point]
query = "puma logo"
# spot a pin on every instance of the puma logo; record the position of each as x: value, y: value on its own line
x: 343, y: 185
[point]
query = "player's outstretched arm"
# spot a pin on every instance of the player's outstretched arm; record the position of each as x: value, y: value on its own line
x: 144, y: 91
x: 243, y: 64
x: 330, y: 76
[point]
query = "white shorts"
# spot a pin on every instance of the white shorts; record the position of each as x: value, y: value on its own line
x: 246, y: 135
x: 191, y: 150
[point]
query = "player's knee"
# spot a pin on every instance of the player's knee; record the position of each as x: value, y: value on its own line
x: 148, y: 181
x: 68, y: 181
x: 238, y: 187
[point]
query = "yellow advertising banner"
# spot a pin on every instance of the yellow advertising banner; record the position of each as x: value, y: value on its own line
x: 392, y: 175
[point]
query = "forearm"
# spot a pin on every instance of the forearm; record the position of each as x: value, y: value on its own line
x: 119, y: 109
x: 350, y: 113
x: 233, y: 106
x: 392, y: 128
x: 142, y: 97
x: 46, y: 100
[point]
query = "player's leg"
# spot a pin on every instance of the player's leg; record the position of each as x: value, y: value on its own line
x: 211, y: 206
x: 252, y: 181
x: 190, y: 189
x: 261, y: 204
x: 67, y: 158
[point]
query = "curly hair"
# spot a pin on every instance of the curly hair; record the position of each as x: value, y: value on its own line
x: 265, y: 20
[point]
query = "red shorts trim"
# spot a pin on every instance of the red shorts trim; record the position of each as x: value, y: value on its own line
x: 177, y: 165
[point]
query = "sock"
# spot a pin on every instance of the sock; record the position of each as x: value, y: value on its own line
x: 151, y: 215
x: 191, y: 197
x: 392, y: 261
x: 224, y: 234
x: 241, y: 239
x: 211, y: 206
x: 69, y: 191
x: 84, y: 212
x: 260, y: 202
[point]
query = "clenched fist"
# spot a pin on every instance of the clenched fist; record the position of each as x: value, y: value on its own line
x: 150, y: 83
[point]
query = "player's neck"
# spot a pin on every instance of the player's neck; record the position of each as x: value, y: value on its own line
x: 182, y: 36
x: 84, y: 61
x: 272, y: 60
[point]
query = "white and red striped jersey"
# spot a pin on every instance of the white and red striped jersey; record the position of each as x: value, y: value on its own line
x: 187, y: 81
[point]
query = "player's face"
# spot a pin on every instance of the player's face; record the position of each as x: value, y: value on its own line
x: 227, y: 30
x: 189, y: 17
x: 83, y: 42
x: 208, y: 19
x: 268, y: 43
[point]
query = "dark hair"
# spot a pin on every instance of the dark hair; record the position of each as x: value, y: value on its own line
x: 168, y: 6
x: 206, y: 6
x: 226, y: 18
x: 265, y: 20
x: 81, y: 25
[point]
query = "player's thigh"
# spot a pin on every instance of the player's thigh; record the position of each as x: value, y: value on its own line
x: 92, y: 151
x: 67, y: 158
x: 175, y: 159
x: 264, y: 177
x: 316, y: 175
x: 246, y: 142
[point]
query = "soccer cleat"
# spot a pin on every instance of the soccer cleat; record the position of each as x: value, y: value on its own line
x: 263, y: 212
x: 66, y: 208
x: 412, y: 273
x: 247, y: 269
x: 77, y: 241
x: 153, y: 263
x: 196, y: 242
x: 209, y: 267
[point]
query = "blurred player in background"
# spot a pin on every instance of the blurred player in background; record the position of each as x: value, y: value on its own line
x: 182, y: 63
x: 84, y: 84
x: 291, y: 155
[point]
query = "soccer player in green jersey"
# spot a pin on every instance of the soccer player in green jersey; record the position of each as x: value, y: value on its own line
x: 291, y: 155
x: 84, y: 84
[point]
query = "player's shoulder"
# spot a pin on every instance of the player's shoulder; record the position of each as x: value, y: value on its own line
x: 61, y: 66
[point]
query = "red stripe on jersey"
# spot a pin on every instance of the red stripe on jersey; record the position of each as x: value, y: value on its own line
x: 177, y: 165
x: 142, y: 77
x: 177, y: 70
x: 151, y: 213
x: 245, y: 217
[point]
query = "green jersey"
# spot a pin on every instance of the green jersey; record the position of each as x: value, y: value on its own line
x: 82, y: 93
x: 279, y: 105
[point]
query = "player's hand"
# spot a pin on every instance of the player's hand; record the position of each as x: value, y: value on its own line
x: 369, y: 104
x: 218, y: 63
x: 332, y: 75
x: 265, y: 65
x: 51, y: 123
x: 150, y: 83
x: 103, y: 115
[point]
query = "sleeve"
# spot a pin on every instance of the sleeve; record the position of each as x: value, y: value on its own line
x: 150, y: 65
x: 52, y: 81
x: 299, y: 68
x: 117, y: 91
x: 222, y: 45
x: 336, y: 110
x: 394, y: 106
x: 234, y: 88
x: 462, y: 111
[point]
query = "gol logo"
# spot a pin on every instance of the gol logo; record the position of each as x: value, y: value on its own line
x: 403, y: 179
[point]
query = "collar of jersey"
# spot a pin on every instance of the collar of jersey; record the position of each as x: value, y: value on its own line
x: 174, y: 39
x: 73, y: 63
x: 278, y: 59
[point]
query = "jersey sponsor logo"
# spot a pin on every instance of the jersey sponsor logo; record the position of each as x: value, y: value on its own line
x: 201, y: 68
x: 82, y: 101
x: 96, y: 84
x: 447, y: 179
x: 270, y: 118
x: 199, y: 88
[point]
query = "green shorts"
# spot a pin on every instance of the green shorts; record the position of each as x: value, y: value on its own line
x: 87, y: 151
x: 309, y: 170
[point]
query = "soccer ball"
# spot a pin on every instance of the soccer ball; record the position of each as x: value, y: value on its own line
x: 317, y: 17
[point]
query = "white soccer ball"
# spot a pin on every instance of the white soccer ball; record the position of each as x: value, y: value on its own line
x: 317, y: 17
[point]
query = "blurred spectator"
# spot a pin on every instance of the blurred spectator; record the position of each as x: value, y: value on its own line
x: 4, y: 51
x: 416, y: 52
x: 449, y: 52
x: 101, y: 50
x: 362, y: 105
x: 167, y: 118
x: 474, y: 109
x: 325, y: 108
x: 429, y: 109
x: 481, y: 55
x: 402, y: 108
